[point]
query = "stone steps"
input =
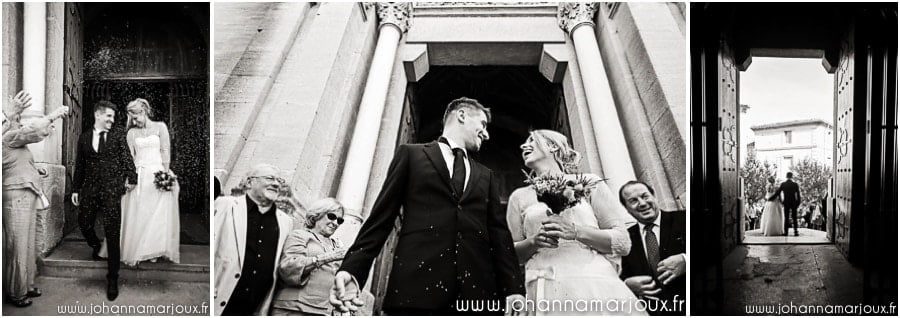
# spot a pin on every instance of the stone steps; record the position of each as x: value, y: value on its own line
x: 72, y: 259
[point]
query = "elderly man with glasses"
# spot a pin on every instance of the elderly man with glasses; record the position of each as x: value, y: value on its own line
x: 249, y: 234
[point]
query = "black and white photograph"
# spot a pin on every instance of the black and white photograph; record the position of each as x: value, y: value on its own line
x: 106, y: 159
x: 794, y: 159
x: 450, y: 158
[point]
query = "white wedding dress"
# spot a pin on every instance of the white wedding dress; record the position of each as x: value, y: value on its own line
x: 772, y: 220
x: 150, y: 225
x: 573, y: 271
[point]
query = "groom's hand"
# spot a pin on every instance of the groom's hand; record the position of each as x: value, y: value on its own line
x: 129, y: 186
x: 75, y: 199
x: 671, y: 268
x: 344, y: 295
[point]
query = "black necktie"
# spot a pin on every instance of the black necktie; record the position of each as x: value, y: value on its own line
x: 458, y: 180
x: 101, y: 146
x: 652, y: 247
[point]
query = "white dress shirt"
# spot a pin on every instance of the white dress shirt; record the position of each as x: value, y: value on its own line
x: 447, y: 152
x: 95, y: 140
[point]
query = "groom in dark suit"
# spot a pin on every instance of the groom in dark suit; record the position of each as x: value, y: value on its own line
x: 654, y: 269
x: 104, y: 169
x: 791, y: 201
x: 454, y: 243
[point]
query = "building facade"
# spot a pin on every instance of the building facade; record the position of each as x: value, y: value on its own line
x: 326, y: 91
x: 786, y: 143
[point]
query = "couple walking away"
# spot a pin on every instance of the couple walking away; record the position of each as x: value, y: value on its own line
x: 456, y: 242
x: 776, y: 211
x: 115, y: 179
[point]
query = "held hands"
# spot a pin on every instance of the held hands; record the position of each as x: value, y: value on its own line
x: 129, y: 186
x: 559, y: 228
x: 344, y: 295
x: 643, y: 286
x: 671, y: 268
x: 545, y: 240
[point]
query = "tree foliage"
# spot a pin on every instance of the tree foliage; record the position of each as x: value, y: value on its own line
x: 755, y: 174
x: 813, y: 177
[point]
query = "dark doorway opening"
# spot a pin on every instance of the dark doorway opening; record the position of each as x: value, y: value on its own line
x: 519, y: 97
x: 158, y: 52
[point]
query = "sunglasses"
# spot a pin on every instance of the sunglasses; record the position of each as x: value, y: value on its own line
x: 332, y: 217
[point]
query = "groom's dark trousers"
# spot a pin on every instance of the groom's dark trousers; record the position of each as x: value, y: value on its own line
x: 451, y: 247
x: 100, y: 177
x: 791, y: 201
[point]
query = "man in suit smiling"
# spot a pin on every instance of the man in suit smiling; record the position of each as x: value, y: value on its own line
x: 454, y: 243
x: 654, y: 270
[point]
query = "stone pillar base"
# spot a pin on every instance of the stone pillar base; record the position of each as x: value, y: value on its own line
x: 51, y: 222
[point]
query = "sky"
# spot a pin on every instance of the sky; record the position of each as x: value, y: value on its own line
x: 783, y: 89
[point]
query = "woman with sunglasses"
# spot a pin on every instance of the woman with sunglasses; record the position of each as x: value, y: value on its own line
x: 309, y: 262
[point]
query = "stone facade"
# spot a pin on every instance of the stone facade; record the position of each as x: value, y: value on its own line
x: 278, y: 61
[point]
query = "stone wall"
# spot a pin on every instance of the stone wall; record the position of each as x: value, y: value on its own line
x: 290, y: 100
x: 643, y: 51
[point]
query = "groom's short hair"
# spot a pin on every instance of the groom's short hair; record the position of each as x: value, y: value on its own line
x: 630, y: 183
x: 103, y: 105
x: 790, y: 175
x: 467, y: 103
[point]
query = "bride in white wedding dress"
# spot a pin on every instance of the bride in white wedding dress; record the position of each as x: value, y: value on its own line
x: 576, y: 255
x: 772, y: 220
x: 150, y: 225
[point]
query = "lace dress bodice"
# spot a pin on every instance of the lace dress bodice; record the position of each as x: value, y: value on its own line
x: 147, y: 151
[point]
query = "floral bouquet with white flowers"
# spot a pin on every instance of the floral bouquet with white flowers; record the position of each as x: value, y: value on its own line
x: 164, y: 180
x: 560, y: 193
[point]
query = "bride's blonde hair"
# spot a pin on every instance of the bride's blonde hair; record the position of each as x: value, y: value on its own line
x: 138, y: 103
x: 558, y: 145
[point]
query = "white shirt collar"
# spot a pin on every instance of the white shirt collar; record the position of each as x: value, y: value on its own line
x: 454, y: 145
x: 97, y: 131
x: 655, y: 223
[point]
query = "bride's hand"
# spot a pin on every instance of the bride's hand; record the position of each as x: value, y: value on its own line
x: 560, y: 228
x: 542, y: 239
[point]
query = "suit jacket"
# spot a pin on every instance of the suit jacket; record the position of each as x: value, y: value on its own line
x: 791, y: 193
x: 449, y: 247
x: 103, y: 173
x: 230, y: 237
x: 671, y: 242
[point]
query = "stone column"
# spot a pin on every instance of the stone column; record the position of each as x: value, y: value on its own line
x: 577, y: 19
x: 34, y: 57
x: 393, y: 22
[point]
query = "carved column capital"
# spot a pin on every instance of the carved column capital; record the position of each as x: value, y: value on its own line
x: 394, y: 13
x: 574, y: 14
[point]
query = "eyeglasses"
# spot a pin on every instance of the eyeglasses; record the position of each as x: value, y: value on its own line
x: 270, y: 178
x: 332, y: 217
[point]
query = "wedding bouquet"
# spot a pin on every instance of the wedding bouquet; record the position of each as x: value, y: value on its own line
x: 164, y: 180
x: 560, y: 193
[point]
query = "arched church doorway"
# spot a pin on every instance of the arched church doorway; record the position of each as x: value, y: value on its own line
x: 859, y: 46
